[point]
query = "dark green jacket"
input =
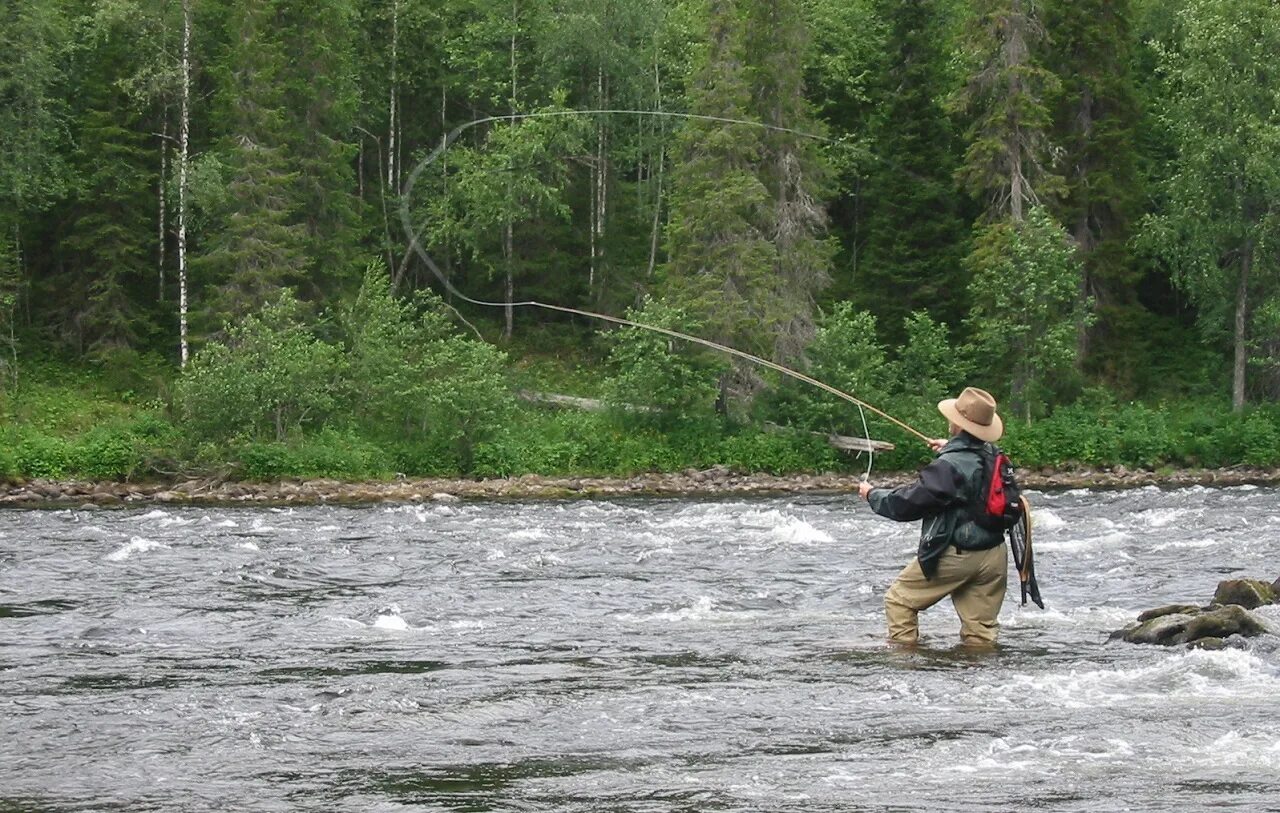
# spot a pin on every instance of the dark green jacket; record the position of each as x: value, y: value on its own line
x: 941, y: 497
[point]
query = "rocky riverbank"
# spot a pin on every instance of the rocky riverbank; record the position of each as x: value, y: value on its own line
x: 712, y: 482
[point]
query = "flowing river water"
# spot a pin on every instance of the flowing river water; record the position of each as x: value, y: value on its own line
x: 639, y: 655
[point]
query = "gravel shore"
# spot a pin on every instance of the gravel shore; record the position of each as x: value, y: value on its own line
x: 712, y: 482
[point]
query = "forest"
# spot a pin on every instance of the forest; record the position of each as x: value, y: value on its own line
x: 269, y: 239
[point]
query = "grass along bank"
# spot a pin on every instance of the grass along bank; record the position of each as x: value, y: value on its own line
x: 65, y: 424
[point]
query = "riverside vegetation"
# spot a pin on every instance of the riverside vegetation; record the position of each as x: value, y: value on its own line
x: 203, y: 274
x: 388, y: 388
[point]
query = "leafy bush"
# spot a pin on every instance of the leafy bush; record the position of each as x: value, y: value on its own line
x: 410, y: 376
x: 329, y: 453
x: 667, y: 380
x: 1027, y: 309
x: 107, y: 453
x: 1260, y: 437
x: 776, y: 453
x: 270, y: 377
x: 929, y: 367
x: 38, y: 455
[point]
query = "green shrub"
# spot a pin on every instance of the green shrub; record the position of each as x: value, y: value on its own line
x: 656, y: 380
x: 1260, y: 438
x: 499, y: 456
x: 410, y: 376
x: 776, y: 452
x: 269, y: 378
x: 107, y: 453
x: 1144, y: 437
x: 8, y: 461
x: 845, y: 355
x: 42, y: 456
x: 429, y: 457
x: 328, y: 454
x: 269, y: 460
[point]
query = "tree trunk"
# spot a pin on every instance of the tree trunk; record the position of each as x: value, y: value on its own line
x: 444, y: 181
x: 1242, y: 309
x: 508, y: 249
x: 184, y: 140
x: 1016, y: 55
x: 391, y: 104
x: 508, y: 237
x: 602, y: 197
x: 662, y: 159
x: 161, y: 225
x: 591, y: 232
x: 1084, y: 236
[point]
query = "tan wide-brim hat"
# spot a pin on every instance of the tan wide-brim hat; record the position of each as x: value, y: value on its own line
x: 974, y: 412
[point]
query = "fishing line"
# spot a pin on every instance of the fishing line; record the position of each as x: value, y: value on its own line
x: 415, y: 245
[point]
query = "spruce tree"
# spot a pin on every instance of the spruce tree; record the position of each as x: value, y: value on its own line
x: 1007, y: 162
x: 792, y: 169
x: 914, y: 230
x: 259, y: 244
x: 102, y: 283
x: 319, y: 96
x: 722, y: 262
x: 1095, y: 121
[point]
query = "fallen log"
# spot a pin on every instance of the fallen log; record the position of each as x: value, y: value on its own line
x: 576, y: 402
x: 844, y: 443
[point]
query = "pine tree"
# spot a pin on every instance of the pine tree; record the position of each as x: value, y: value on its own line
x: 915, y: 234
x: 35, y: 170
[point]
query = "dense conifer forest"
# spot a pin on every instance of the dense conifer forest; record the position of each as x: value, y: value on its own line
x: 205, y: 264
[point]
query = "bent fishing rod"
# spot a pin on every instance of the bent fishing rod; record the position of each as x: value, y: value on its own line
x: 416, y: 246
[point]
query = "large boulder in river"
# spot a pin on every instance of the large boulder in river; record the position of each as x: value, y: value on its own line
x: 1248, y: 593
x: 1202, y: 627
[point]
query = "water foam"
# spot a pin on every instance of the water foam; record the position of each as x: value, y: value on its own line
x: 391, y: 621
x: 702, y: 609
x: 1186, y: 544
x: 1089, y: 618
x: 135, y: 545
x: 795, y: 531
x: 1240, y: 752
x: 1107, y: 541
x: 778, y: 526
x: 1045, y: 520
x: 1190, y: 676
x: 528, y: 533
x: 1163, y: 517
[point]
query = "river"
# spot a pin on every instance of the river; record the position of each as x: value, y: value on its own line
x: 646, y: 655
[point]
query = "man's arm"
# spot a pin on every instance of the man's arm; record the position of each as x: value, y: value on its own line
x: 936, y: 488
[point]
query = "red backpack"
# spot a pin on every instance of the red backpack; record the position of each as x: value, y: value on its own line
x: 998, y: 504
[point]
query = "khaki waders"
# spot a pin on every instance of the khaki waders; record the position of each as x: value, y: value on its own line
x: 975, y: 580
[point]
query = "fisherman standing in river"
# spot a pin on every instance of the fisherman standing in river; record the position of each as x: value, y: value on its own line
x: 957, y: 557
